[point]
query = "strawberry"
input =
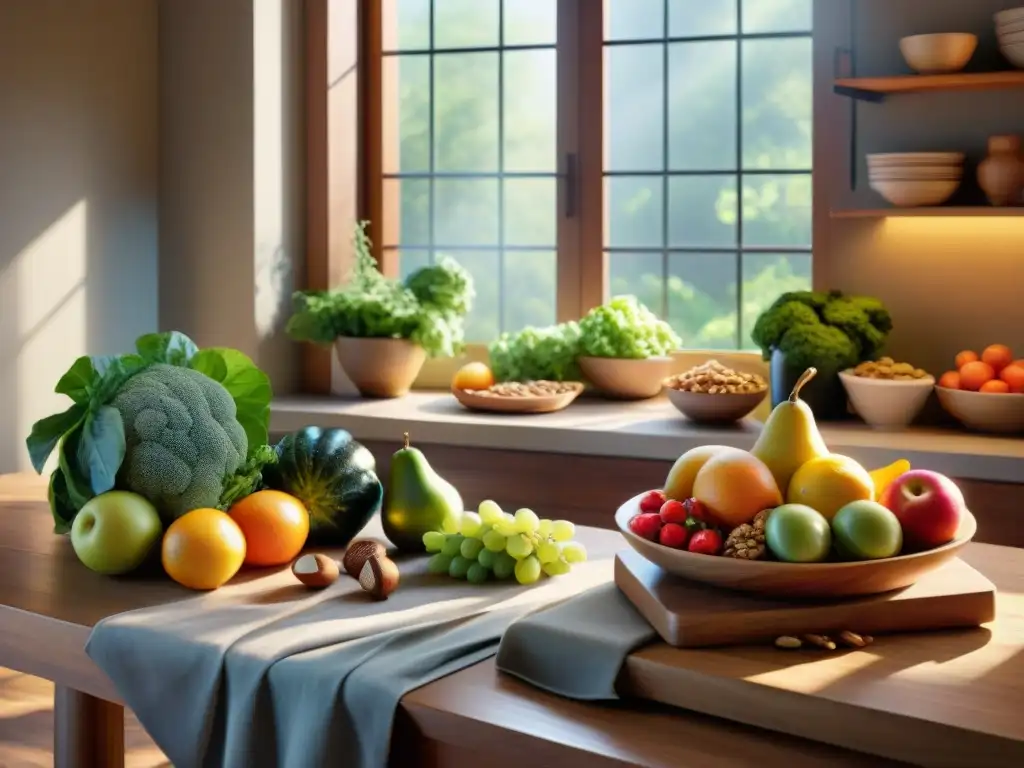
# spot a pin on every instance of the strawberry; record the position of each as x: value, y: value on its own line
x: 706, y: 542
x: 698, y: 511
x: 646, y: 525
x: 673, y: 511
x: 652, y: 501
x: 673, y: 535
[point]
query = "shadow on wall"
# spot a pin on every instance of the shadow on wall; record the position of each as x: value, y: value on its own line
x: 77, y: 196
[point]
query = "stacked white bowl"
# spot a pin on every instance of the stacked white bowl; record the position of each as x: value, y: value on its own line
x: 1010, y: 32
x: 911, y: 179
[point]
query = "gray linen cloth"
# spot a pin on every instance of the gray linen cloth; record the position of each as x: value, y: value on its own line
x: 576, y: 648
x: 263, y: 673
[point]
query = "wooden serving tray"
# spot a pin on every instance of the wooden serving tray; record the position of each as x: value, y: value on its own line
x: 687, y: 614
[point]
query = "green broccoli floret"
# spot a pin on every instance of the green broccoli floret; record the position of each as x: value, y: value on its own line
x: 772, y: 325
x: 819, y: 345
x: 182, y: 438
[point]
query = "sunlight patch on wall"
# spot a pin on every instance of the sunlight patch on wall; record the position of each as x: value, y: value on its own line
x: 50, y: 275
x: 957, y: 229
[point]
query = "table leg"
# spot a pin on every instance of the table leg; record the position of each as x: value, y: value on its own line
x: 87, y: 732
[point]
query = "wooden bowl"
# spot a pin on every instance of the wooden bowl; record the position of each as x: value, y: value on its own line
x: 797, y: 580
x: 704, y: 408
x: 474, y: 401
x: 984, y: 411
x: 939, y: 53
x: 625, y: 379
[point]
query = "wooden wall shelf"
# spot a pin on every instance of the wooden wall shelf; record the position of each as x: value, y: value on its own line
x: 877, y: 88
x: 934, y: 211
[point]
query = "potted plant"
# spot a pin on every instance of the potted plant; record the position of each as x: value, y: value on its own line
x: 624, y: 349
x: 821, y: 329
x: 383, y: 329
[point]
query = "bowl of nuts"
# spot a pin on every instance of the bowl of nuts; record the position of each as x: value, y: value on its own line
x: 711, y: 393
x: 520, y: 396
x: 887, y: 394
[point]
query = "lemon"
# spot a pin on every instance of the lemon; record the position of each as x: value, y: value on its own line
x: 828, y: 483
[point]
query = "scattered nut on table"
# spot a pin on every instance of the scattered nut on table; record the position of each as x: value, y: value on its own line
x: 788, y: 643
x: 358, y: 553
x: 379, y: 577
x: 846, y: 638
x: 713, y: 378
x: 316, y: 571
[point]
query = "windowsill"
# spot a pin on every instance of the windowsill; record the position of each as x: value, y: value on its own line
x: 646, y: 430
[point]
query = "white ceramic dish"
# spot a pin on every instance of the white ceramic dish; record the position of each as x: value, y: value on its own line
x: 887, y: 403
x: 1011, y: 38
x: 912, y: 193
x: 1014, y: 53
x: 939, y: 53
x: 984, y: 411
x: 1009, y: 16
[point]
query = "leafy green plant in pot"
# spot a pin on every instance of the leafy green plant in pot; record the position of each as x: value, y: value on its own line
x: 826, y: 330
x: 625, y: 349
x: 383, y: 329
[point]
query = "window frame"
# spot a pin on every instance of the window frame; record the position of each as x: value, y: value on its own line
x: 348, y: 137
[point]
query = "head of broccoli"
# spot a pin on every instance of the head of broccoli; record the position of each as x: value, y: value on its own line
x: 182, y: 439
x: 823, y: 328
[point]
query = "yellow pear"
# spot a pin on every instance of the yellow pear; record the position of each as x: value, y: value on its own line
x: 790, y: 438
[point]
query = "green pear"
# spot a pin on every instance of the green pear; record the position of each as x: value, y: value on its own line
x: 790, y: 438
x: 417, y: 499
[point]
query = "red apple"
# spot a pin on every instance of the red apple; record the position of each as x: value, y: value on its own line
x: 928, y: 506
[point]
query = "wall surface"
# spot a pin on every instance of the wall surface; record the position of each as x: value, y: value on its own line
x: 78, y: 195
x: 231, y: 190
x: 951, y: 283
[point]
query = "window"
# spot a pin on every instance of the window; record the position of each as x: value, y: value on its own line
x: 706, y: 169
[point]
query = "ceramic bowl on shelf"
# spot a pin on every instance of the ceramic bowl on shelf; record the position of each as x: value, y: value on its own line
x: 939, y: 53
x: 795, y: 580
x: 1010, y: 18
x: 913, y: 193
x: 625, y: 379
x: 984, y: 411
x: 718, y: 408
x: 907, y: 159
x: 1014, y: 53
x: 917, y: 172
x: 887, y: 403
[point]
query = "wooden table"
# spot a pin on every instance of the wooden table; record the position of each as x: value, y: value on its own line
x: 49, y: 603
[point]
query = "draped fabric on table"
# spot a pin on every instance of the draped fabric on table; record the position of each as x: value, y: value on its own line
x: 265, y: 674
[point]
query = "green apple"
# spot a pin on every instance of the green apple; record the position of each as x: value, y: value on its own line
x: 796, y: 533
x: 865, y: 530
x: 115, y: 531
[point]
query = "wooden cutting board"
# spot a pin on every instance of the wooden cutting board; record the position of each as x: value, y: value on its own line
x: 687, y: 614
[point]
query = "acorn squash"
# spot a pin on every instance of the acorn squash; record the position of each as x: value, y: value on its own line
x: 334, y: 476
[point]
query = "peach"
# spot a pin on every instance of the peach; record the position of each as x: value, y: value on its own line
x: 998, y: 356
x: 735, y: 485
x: 473, y: 376
x: 974, y: 374
x: 679, y: 483
x: 1013, y: 375
x: 950, y: 380
x: 965, y: 357
x: 996, y: 387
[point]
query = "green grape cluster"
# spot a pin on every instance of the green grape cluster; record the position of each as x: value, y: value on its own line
x: 490, y: 543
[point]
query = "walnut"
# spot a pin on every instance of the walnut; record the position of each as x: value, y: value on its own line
x: 746, y: 542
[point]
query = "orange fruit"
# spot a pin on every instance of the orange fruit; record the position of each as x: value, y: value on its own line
x: 996, y: 386
x: 1018, y: 362
x: 1013, y: 375
x: 203, y: 549
x: 950, y: 380
x: 965, y: 357
x: 974, y: 374
x: 473, y: 376
x: 998, y: 356
x: 275, y: 525
x: 735, y: 485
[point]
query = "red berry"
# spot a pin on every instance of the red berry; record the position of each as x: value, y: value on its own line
x: 673, y: 511
x: 706, y: 542
x: 673, y: 535
x: 652, y: 501
x: 697, y: 510
x: 646, y: 525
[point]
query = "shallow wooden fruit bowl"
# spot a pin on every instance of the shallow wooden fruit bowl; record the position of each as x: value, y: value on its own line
x: 547, y: 404
x: 798, y: 580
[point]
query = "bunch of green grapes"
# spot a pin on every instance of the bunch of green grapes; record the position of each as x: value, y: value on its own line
x: 490, y: 542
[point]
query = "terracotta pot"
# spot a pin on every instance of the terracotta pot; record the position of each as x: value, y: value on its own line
x: 380, y: 367
x: 1001, y: 174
